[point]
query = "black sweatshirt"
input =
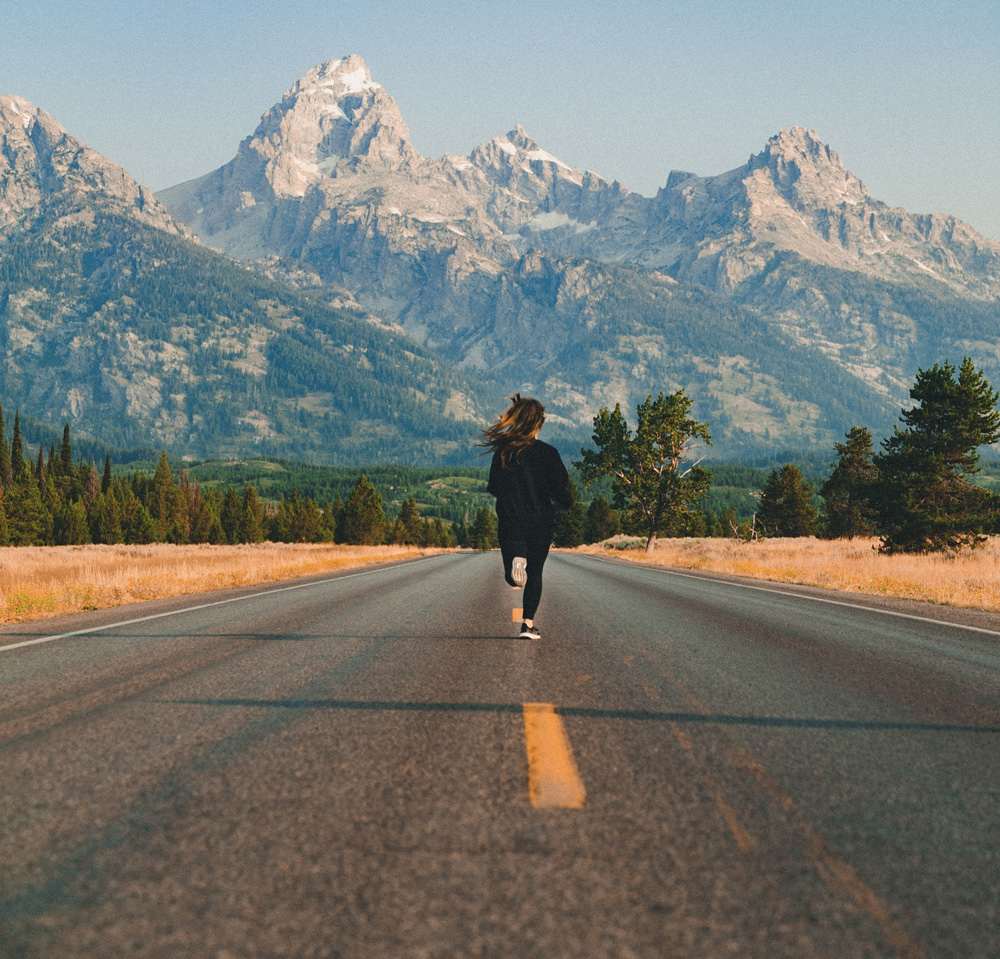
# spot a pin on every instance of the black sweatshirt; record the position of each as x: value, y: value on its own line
x: 527, y: 487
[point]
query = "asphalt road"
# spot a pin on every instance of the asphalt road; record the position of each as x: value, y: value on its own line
x: 347, y: 768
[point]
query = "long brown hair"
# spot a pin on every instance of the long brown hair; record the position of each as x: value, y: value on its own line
x: 515, y: 430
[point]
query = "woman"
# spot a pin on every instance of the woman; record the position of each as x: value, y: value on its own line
x: 526, y: 476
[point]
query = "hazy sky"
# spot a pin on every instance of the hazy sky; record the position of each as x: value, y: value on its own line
x: 907, y: 91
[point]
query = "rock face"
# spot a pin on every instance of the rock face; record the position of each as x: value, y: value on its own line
x: 112, y: 318
x: 39, y: 160
x: 796, y: 196
x: 504, y: 259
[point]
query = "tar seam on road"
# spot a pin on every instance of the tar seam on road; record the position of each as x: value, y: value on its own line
x: 219, y: 602
x: 553, y: 779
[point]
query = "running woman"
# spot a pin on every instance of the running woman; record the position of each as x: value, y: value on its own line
x: 526, y: 476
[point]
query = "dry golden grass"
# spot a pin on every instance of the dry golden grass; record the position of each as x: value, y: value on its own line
x: 49, y: 581
x: 969, y: 578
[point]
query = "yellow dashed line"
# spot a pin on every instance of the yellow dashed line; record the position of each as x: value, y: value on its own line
x: 744, y: 840
x: 553, y: 779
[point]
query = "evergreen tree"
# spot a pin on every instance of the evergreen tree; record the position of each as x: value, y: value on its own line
x: 923, y: 498
x: 646, y: 469
x: 569, y: 522
x: 206, y: 527
x: 847, y: 512
x: 231, y: 516
x: 445, y: 535
x: 160, y: 503
x: 70, y: 527
x: 40, y: 472
x: 6, y: 474
x: 104, y: 519
x: 252, y: 522
x: 18, y: 463
x: 364, y: 518
x: 786, y: 504
x: 138, y: 525
x: 601, y: 522
x: 410, y: 523
x: 482, y: 534
x: 106, y: 478
x: 62, y: 465
x: 297, y: 520
x: 4, y: 530
x: 28, y: 521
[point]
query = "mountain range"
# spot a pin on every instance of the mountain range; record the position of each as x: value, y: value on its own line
x: 330, y: 292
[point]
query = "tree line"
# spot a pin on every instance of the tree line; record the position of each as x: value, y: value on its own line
x: 53, y: 499
x: 917, y: 493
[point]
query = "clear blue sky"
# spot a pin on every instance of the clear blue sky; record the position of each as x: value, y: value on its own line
x: 907, y: 92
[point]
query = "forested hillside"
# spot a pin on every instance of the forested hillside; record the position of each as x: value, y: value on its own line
x: 146, y: 339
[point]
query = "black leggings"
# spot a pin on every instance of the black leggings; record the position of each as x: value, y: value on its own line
x: 533, y: 544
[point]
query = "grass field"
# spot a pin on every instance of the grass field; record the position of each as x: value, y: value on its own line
x: 41, y: 581
x: 969, y: 578
x: 36, y: 582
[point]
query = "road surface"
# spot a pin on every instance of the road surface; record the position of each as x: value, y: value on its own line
x: 370, y: 764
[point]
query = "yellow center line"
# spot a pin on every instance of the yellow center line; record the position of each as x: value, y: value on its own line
x: 553, y: 779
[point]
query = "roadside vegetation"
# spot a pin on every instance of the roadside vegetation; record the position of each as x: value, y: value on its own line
x: 36, y: 582
x: 969, y: 578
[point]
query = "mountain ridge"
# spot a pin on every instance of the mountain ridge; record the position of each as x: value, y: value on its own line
x: 787, y: 301
x: 459, y: 251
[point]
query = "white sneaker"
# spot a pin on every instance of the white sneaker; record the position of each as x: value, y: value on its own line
x: 519, y: 571
x: 529, y: 632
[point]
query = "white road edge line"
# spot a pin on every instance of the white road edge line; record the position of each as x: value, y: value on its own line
x: 220, y: 602
x: 816, y: 599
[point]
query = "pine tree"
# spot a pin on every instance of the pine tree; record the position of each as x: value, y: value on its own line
x: 364, y: 518
x: 601, y: 522
x: 18, y: 463
x: 28, y: 521
x: 924, y: 499
x: 483, y: 532
x: 786, y: 504
x: 106, y: 478
x: 568, y: 529
x: 66, y: 454
x: 231, y: 515
x: 252, y: 521
x: 410, y: 525
x: 6, y: 474
x: 161, y: 498
x: 847, y: 512
x: 647, y: 471
x: 104, y: 519
x: 70, y: 527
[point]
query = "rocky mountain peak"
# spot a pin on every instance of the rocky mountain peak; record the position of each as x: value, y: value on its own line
x: 805, y: 171
x: 334, y: 114
x: 517, y: 151
x: 339, y: 78
x: 40, y: 160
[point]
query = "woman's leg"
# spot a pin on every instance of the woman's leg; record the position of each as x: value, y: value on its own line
x: 538, y: 543
x: 511, y: 544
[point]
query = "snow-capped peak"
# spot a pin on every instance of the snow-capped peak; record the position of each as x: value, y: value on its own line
x: 348, y: 76
x: 24, y: 111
